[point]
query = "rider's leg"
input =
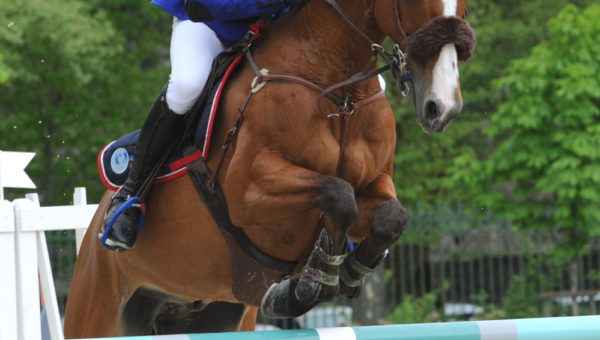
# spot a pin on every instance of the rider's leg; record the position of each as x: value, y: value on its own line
x: 193, y: 48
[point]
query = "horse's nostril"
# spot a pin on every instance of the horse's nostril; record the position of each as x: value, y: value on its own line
x: 431, y: 111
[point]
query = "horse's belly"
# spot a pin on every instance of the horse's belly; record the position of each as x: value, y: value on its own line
x: 180, y: 249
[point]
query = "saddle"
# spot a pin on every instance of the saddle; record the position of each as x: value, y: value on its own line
x: 253, y: 271
x: 114, y: 159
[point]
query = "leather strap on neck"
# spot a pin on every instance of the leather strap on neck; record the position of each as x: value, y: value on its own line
x: 340, y: 101
x: 349, y: 20
x: 403, y: 35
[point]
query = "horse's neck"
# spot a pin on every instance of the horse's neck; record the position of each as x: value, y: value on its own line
x: 318, y: 44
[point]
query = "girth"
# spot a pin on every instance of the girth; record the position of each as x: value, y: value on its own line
x: 253, y: 270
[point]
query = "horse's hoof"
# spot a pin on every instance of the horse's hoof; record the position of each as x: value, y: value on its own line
x: 353, y: 273
x: 280, y: 301
x: 307, y: 291
x: 350, y: 291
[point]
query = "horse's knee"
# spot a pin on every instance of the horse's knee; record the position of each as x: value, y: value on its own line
x: 338, y: 201
x: 389, y: 221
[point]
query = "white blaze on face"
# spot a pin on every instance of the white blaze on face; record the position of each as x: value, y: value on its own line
x: 449, y: 7
x: 445, y: 76
x: 445, y: 72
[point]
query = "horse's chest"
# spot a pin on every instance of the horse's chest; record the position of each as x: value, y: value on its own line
x: 361, y: 162
x: 367, y: 146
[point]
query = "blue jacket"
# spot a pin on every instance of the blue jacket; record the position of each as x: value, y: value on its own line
x: 228, y: 18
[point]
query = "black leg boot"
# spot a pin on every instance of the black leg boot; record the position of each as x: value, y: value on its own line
x: 125, y: 214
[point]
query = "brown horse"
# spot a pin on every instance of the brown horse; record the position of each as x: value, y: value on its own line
x: 298, y: 183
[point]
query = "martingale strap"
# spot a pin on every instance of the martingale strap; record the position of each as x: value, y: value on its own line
x: 346, y: 105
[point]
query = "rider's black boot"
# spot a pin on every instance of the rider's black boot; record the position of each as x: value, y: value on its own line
x: 125, y: 214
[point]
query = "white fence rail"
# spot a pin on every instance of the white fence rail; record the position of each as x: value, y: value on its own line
x: 25, y: 264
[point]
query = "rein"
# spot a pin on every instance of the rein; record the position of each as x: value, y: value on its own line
x: 403, y: 34
x: 395, y: 61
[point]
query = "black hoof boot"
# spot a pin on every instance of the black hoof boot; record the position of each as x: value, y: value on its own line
x: 122, y: 223
x: 317, y: 282
x: 353, y: 272
x: 280, y: 301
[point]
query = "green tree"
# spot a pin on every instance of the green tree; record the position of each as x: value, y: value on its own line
x: 76, y: 82
x: 415, y: 310
x: 505, y: 30
x: 545, y: 173
x: 3, y: 70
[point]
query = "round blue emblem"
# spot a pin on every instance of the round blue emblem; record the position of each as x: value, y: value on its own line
x: 119, y: 161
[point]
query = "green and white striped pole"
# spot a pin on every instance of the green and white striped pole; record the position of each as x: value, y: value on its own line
x: 559, y: 328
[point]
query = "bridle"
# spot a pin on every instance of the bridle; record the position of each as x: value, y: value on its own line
x: 395, y: 61
x: 396, y: 10
x: 437, y: 32
x: 346, y: 105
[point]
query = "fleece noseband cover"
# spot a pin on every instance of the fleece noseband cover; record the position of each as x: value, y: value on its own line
x: 430, y: 39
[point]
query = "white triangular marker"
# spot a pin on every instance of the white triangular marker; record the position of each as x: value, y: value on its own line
x: 12, y: 169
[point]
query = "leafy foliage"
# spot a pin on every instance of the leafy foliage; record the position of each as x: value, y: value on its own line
x: 523, y: 298
x: 3, y: 70
x: 545, y: 172
x: 76, y: 83
x: 505, y: 30
x: 415, y: 310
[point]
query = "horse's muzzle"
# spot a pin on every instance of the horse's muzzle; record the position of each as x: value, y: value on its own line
x: 436, y: 115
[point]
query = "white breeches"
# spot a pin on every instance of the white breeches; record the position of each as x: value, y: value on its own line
x: 193, y: 48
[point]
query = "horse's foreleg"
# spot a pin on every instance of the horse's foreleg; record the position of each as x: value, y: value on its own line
x: 286, y: 191
x: 382, y: 220
x: 317, y: 282
x: 275, y: 190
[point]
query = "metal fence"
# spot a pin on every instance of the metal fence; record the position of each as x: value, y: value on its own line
x: 448, y: 266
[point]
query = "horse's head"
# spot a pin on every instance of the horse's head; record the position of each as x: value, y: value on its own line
x: 435, y: 37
